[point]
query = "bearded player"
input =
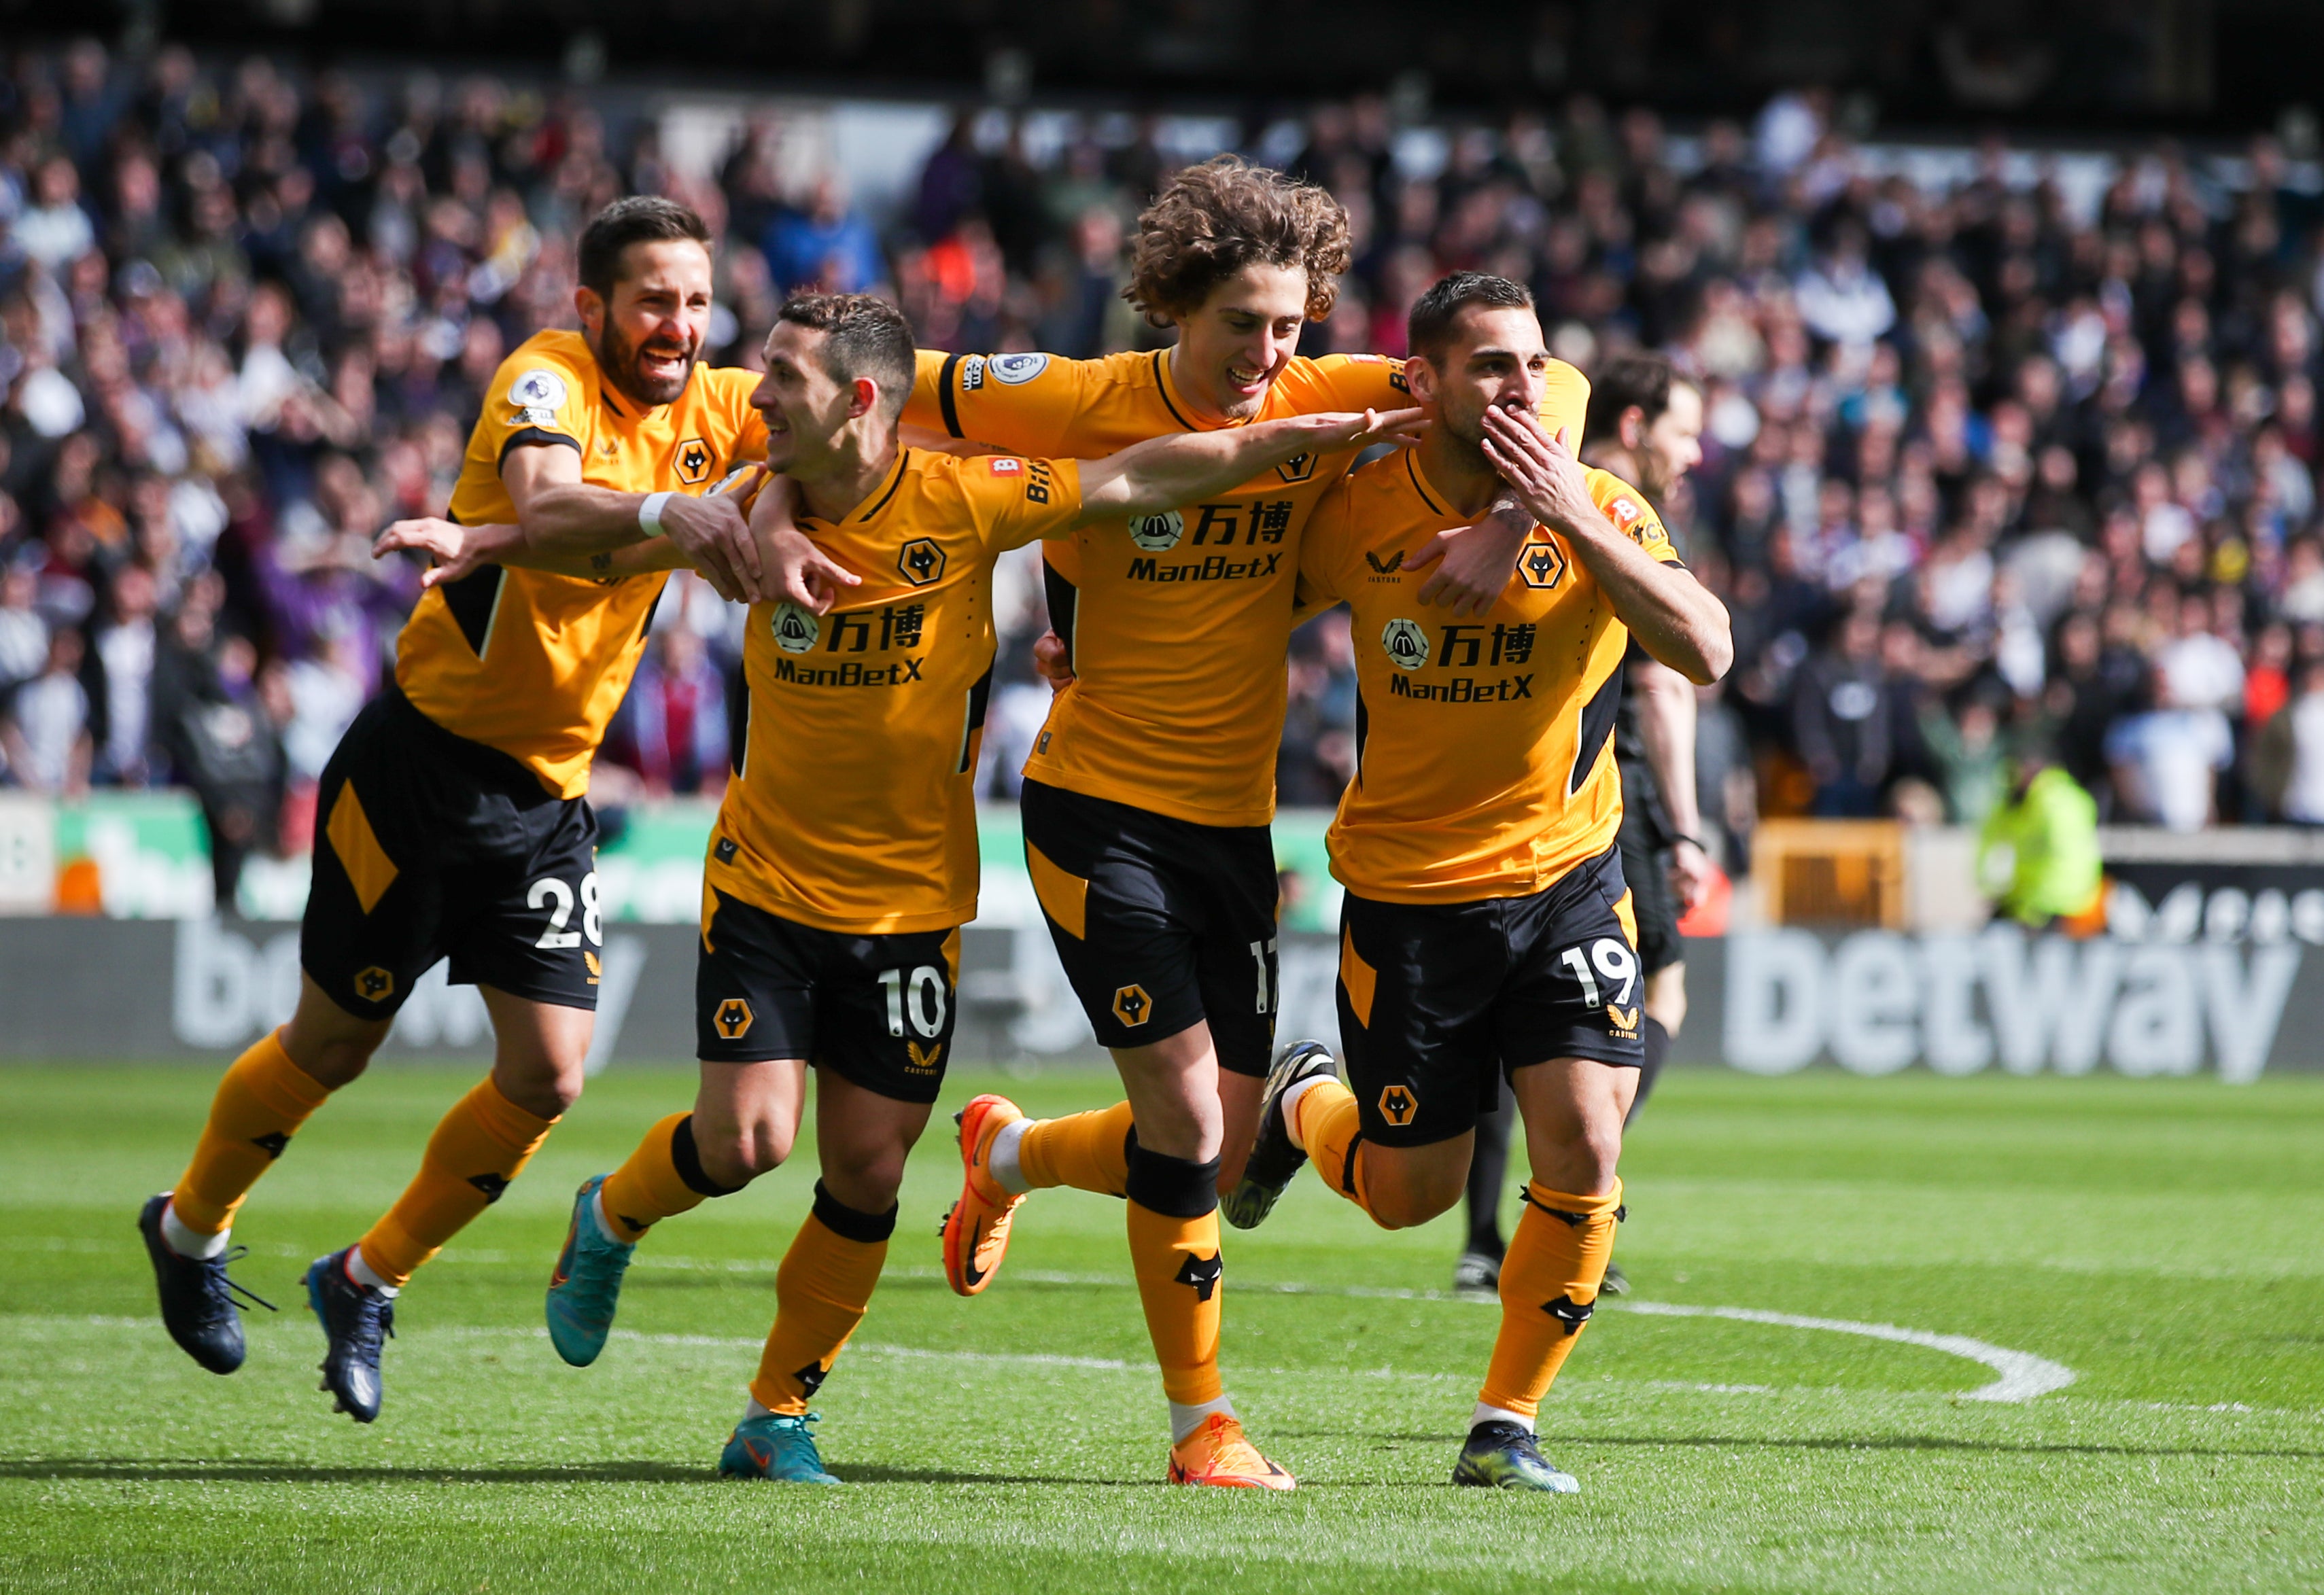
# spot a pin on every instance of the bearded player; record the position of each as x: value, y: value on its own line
x: 1487, y: 930
x: 455, y: 821
x: 1645, y: 422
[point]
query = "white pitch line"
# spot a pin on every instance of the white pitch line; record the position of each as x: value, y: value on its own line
x: 2023, y: 1376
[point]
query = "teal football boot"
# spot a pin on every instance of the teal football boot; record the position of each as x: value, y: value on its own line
x: 586, y: 1287
x: 776, y: 1446
x: 1503, y: 1456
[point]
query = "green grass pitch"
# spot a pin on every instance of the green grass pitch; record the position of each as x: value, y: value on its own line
x: 2164, y: 1240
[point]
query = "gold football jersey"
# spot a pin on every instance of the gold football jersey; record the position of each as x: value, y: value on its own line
x: 855, y: 807
x: 1485, y: 764
x: 1177, y: 622
x: 535, y: 664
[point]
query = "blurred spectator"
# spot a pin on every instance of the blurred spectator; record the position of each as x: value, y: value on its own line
x: 1985, y: 447
x: 46, y: 731
x: 125, y: 671
x: 2289, y: 756
x: 2038, y: 852
x: 23, y: 634
x: 2166, y: 762
x: 823, y: 245
x: 1853, y: 716
x: 677, y: 729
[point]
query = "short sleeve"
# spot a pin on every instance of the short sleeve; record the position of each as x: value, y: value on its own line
x: 1017, y: 500
x: 1325, y: 548
x: 536, y: 397
x: 1031, y: 404
x: 750, y: 443
x: 1375, y: 382
x: 1362, y: 381
x: 1629, y: 510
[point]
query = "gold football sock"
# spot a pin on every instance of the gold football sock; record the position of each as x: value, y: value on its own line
x: 1174, y: 1250
x: 1549, y: 1284
x: 1087, y: 1151
x: 1331, y: 1127
x: 662, y: 1178
x: 260, y: 1104
x: 820, y: 1291
x: 477, y: 1151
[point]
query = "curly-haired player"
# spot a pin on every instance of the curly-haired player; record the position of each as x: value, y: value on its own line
x: 1149, y: 793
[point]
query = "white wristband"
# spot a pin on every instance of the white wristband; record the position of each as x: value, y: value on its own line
x: 649, y: 512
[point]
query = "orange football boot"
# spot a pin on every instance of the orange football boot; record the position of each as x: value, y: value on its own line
x: 1217, y: 1453
x: 976, y: 1230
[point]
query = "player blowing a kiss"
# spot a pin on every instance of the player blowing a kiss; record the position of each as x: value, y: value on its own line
x: 1487, y: 929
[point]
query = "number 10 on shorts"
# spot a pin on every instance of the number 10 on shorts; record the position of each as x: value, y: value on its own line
x: 921, y: 999
x: 1616, y: 964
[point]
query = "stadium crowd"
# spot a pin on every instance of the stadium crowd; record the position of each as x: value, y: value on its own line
x: 1985, y: 478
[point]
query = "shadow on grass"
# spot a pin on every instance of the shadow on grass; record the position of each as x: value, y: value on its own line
x: 1932, y: 1442
x: 872, y: 1473
x: 214, y: 1470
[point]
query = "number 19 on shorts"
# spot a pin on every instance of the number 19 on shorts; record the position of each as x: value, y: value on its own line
x: 1607, y: 959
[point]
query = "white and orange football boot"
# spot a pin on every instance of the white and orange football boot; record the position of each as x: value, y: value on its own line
x: 976, y: 1230
x: 1218, y: 1454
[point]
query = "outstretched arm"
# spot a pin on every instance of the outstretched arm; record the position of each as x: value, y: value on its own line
x: 1165, y: 473
x: 1671, y: 615
x: 460, y: 550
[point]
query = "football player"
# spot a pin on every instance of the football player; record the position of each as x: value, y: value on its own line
x: 1487, y: 930
x: 454, y: 818
x: 1646, y: 421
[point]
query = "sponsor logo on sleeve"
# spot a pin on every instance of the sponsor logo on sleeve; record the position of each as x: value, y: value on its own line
x: 538, y: 390
x: 972, y: 374
x: 1015, y: 368
x: 1003, y: 464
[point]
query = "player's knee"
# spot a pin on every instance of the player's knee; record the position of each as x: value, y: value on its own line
x: 735, y: 1154
x: 1413, y: 1195
x: 1597, y: 1152
x: 332, y: 1061
x: 866, y: 1185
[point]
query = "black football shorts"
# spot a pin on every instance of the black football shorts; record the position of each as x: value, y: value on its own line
x: 878, y: 1009
x: 1438, y: 1001
x: 1158, y: 921
x: 428, y: 845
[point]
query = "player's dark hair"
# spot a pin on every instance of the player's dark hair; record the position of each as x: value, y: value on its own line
x: 866, y: 337
x: 641, y: 218
x: 1625, y: 381
x: 1222, y: 215
x: 1428, y: 330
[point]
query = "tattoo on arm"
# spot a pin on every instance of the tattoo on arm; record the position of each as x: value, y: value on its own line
x: 601, y: 563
